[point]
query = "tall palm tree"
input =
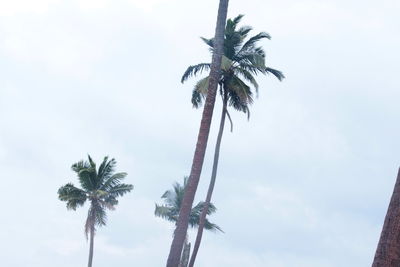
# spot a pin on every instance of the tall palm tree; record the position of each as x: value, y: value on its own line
x: 101, y: 187
x: 198, y: 158
x: 170, y: 211
x: 242, y: 60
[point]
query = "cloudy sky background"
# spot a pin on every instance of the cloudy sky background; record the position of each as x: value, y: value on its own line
x: 306, y: 182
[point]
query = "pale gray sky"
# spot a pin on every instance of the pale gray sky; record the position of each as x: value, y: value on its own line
x: 306, y: 182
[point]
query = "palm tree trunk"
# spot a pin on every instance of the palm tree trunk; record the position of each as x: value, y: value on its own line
x: 212, y: 183
x: 91, y: 246
x: 388, y: 250
x: 185, y: 254
x: 198, y: 158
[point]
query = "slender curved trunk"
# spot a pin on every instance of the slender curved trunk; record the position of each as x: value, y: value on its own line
x: 198, y: 158
x: 91, y: 246
x: 388, y: 250
x: 212, y: 183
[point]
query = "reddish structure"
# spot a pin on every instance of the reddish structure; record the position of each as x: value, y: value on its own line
x: 388, y: 251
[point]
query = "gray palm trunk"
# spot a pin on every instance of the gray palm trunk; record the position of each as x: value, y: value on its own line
x: 91, y: 245
x: 185, y: 254
x: 203, y: 214
x: 198, y: 158
x: 388, y: 250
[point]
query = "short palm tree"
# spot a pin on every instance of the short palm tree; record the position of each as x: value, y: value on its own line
x: 170, y: 211
x: 241, y: 61
x: 101, y: 187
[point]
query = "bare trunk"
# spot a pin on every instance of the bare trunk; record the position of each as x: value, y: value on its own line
x: 185, y: 254
x: 198, y: 158
x: 91, y: 246
x: 212, y: 184
x: 388, y: 251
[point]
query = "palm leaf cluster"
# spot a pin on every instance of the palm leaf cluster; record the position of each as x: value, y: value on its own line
x: 241, y: 61
x: 101, y: 187
x: 173, y: 201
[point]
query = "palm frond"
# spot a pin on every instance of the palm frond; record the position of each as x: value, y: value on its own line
x: 194, y: 70
x: 74, y: 196
x: 166, y: 212
x: 212, y: 226
x: 277, y: 73
x: 85, y: 177
x: 80, y: 165
x: 113, y: 180
x: 248, y: 76
x: 250, y: 44
x: 120, y: 190
x: 209, y: 42
x: 106, y: 169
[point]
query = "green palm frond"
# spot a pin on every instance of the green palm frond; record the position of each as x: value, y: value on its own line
x: 74, y: 196
x: 277, y: 73
x: 209, y: 42
x: 85, y: 177
x: 166, y: 213
x: 250, y: 44
x: 120, y: 190
x: 173, y: 200
x: 114, y: 180
x: 200, y: 92
x: 194, y: 70
x: 248, y: 76
x: 80, y: 165
x: 107, y: 169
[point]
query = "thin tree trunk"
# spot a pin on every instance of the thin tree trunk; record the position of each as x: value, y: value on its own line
x: 185, y: 254
x: 388, y: 250
x: 198, y: 158
x: 212, y: 183
x: 91, y: 246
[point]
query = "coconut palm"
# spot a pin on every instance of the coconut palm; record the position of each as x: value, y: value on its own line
x: 100, y: 187
x: 202, y: 138
x: 241, y: 61
x: 170, y: 212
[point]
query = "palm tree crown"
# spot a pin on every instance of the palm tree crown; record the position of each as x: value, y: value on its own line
x: 101, y: 187
x: 240, y: 62
x: 173, y: 200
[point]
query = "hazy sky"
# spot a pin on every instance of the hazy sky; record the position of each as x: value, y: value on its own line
x: 305, y: 183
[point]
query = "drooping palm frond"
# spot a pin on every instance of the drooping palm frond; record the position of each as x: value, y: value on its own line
x: 247, y: 75
x: 199, y: 92
x: 74, y: 196
x: 166, y: 212
x: 194, y: 70
x: 277, y: 73
x: 250, y: 44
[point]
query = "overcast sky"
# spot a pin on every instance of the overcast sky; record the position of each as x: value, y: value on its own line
x: 305, y: 183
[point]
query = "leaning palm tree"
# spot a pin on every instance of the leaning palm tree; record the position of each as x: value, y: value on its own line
x: 241, y: 61
x: 202, y: 139
x: 170, y: 211
x: 101, y: 187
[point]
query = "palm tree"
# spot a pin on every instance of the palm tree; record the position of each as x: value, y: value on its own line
x: 170, y: 211
x: 198, y: 158
x: 242, y: 60
x: 100, y: 187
